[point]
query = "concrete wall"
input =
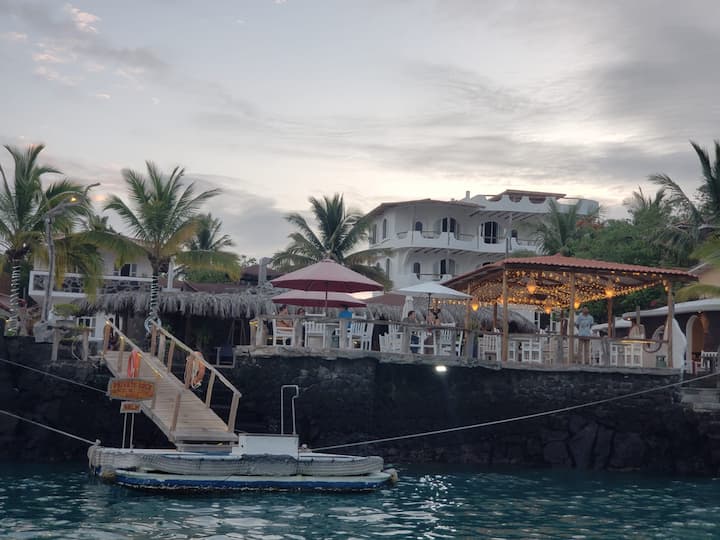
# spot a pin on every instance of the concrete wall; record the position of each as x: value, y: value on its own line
x: 345, y: 400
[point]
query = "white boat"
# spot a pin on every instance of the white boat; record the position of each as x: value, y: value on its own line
x: 256, y: 462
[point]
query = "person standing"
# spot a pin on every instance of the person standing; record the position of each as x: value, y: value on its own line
x: 583, y: 325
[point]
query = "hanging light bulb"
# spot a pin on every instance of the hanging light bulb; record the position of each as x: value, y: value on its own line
x: 576, y: 304
x: 474, y: 304
x: 609, y: 289
x: 531, y: 285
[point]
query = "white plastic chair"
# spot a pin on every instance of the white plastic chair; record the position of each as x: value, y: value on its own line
x: 282, y: 333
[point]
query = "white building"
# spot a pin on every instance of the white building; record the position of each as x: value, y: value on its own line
x: 136, y: 276
x: 436, y: 240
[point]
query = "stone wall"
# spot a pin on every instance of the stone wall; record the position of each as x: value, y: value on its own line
x: 346, y: 400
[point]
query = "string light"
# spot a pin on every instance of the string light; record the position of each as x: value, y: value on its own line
x: 531, y: 285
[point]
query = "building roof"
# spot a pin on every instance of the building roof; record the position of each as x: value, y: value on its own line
x: 549, y: 277
x: 385, y: 206
x: 523, y: 193
x: 694, y: 306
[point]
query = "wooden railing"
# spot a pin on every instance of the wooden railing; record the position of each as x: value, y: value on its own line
x: 163, y: 345
x: 160, y: 357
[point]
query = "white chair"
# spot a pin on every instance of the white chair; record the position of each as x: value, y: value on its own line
x: 281, y: 334
x: 390, y: 343
x: 314, y: 332
x: 356, y: 331
x: 490, y: 346
x: 449, y: 340
x: 531, y: 350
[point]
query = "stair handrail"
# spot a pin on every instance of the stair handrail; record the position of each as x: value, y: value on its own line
x: 123, y: 340
x: 158, y: 330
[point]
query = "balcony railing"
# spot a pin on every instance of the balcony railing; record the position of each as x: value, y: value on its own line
x: 73, y: 284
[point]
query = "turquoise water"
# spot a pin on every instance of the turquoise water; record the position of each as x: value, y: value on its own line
x: 64, y: 502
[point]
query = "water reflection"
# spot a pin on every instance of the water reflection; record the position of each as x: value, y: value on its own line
x: 52, y: 502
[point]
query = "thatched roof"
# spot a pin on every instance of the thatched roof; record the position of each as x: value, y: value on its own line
x: 258, y: 301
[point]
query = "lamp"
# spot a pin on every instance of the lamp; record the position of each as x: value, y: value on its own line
x: 531, y: 285
x: 474, y: 304
x: 576, y: 304
x: 609, y: 289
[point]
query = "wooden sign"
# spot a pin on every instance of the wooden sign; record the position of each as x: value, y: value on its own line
x: 131, y: 389
x: 130, y: 407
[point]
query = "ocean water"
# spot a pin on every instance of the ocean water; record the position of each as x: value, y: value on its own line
x: 65, y: 502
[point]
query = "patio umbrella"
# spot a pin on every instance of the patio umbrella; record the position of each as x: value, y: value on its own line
x: 327, y: 276
x: 317, y: 299
x: 433, y: 290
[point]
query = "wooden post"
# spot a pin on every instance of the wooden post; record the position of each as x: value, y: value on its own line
x: 176, y: 411
x: 188, y: 369
x: 121, y: 350
x: 260, y: 336
x: 106, y: 337
x: 611, y: 318
x: 233, y: 412
x: 153, y: 339
x: 86, y: 344
x: 571, y: 321
x: 171, y: 353
x: 55, y: 345
x: 405, y: 341
x: 670, y: 319
x: 161, y: 348
x: 208, y: 394
x: 506, y: 316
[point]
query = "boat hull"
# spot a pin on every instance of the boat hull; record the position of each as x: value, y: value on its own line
x: 195, y: 483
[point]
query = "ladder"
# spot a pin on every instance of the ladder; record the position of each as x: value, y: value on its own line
x: 186, y: 418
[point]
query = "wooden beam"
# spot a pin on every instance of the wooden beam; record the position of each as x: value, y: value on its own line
x: 233, y: 413
x: 506, y: 316
x: 208, y: 394
x: 571, y: 321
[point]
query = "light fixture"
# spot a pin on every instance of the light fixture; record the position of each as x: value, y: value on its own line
x: 441, y: 369
x: 576, y: 304
x: 609, y: 289
x: 531, y: 285
x: 474, y: 304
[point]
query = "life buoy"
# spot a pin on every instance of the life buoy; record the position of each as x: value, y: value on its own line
x: 194, y: 370
x: 133, y: 367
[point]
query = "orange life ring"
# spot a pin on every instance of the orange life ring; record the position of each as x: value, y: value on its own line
x: 194, y: 370
x: 133, y: 367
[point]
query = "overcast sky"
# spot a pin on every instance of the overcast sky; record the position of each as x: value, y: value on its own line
x: 277, y: 100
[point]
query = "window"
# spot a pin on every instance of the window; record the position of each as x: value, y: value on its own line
x: 373, y: 233
x: 416, y: 268
x: 490, y: 232
x: 418, y: 226
x: 447, y: 266
x: 127, y: 270
x: 88, y: 322
x: 384, y: 229
x: 449, y: 225
x: 387, y: 267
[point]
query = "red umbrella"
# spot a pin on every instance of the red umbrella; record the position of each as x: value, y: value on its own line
x: 317, y: 299
x: 327, y: 275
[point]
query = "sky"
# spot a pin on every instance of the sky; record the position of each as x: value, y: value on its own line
x: 274, y: 101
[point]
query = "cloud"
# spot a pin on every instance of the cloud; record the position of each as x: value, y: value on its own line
x: 14, y: 36
x: 55, y: 76
x: 83, y: 20
x: 155, y: 101
x: 102, y: 96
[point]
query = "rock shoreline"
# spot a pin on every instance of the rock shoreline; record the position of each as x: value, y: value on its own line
x: 346, y: 400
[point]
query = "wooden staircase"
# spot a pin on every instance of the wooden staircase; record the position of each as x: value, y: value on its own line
x: 184, y: 415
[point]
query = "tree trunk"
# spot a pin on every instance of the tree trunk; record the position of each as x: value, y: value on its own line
x: 12, y: 324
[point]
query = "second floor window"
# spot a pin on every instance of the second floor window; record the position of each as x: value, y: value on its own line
x: 387, y: 267
x: 416, y: 268
x: 384, y: 229
x: 373, y: 234
x: 489, y: 231
x: 418, y: 226
x: 126, y: 270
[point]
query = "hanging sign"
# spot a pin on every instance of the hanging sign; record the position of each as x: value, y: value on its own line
x: 130, y: 407
x: 131, y: 389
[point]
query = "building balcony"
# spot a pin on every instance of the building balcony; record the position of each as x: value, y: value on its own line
x: 454, y: 241
x: 72, y: 285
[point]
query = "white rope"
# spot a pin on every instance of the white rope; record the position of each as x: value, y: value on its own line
x: 61, y: 432
x: 54, y: 376
x: 514, y: 419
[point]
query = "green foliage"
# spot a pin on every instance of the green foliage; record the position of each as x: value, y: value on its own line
x: 563, y: 228
x: 65, y: 310
x: 338, y: 231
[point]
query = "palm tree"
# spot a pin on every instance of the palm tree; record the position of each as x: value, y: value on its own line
x: 562, y: 227
x: 24, y: 209
x: 209, y: 238
x: 339, y: 231
x: 163, y: 217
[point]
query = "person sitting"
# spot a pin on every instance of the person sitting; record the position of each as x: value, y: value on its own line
x: 283, y: 312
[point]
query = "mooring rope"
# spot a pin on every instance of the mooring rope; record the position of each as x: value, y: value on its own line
x: 54, y: 376
x: 514, y: 419
x: 60, y: 431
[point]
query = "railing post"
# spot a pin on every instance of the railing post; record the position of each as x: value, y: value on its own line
x: 121, y: 350
x: 176, y: 412
x: 153, y: 340
x: 260, y: 336
x: 86, y: 344
x: 106, y: 338
x: 405, y: 342
x: 55, y: 345
x: 171, y: 353
x: 161, y: 348
x: 233, y: 412
x: 208, y: 394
